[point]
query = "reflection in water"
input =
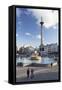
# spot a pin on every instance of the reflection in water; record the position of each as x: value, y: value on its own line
x: 43, y: 60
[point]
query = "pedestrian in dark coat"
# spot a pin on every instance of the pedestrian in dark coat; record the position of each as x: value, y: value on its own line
x: 28, y: 73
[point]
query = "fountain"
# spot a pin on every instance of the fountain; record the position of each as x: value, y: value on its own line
x: 35, y: 56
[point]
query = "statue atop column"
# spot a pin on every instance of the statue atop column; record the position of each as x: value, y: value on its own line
x: 41, y: 23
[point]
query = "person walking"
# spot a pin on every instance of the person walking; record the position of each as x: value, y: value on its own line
x: 28, y: 73
x: 51, y: 65
x: 32, y: 73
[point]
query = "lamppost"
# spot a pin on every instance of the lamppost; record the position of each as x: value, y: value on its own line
x: 41, y: 23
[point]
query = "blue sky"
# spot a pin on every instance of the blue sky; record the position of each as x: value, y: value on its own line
x: 28, y: 28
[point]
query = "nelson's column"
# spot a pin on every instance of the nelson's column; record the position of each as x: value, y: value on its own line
x: 41, y: 46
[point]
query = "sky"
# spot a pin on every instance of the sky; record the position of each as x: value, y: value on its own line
x: 28, y: 28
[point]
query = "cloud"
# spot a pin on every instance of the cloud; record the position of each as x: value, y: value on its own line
x: 27, y: 13
x: 19, y: 22
x: 38, y: 36
x: 18, y: 12
x: 55, y: 27
x: 28, y: 34
x: 17, y: 35
x: 50, y: 17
